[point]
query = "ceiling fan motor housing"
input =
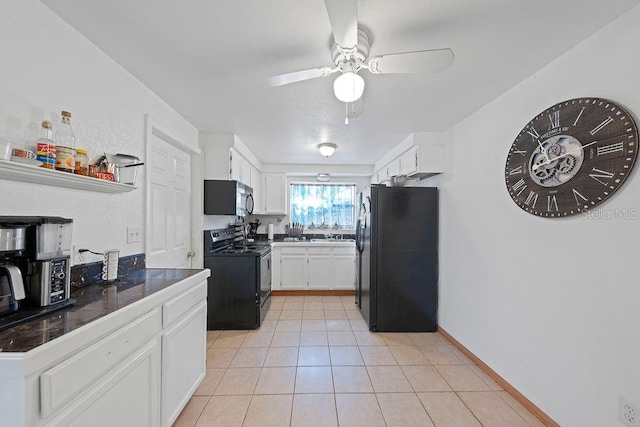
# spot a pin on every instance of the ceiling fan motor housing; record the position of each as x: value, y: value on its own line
x: 349, y: 58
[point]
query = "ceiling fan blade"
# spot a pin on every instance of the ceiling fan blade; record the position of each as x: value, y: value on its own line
x: 343, y: 15
x: 296, y: 76
x: 424, y: 61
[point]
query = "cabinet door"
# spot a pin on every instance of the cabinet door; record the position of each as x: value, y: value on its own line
x: 256, y: 184
x: 184, y: 348
x: 321, y: 273
x: 235, y: 165
x: 276, y: 255
x: 345, y: 269
x: 393, y: 168
x: 274, y: 193
x: 128, y: 396
x: 293, y: 271
x: 246, y: 171
x: 409, y: 162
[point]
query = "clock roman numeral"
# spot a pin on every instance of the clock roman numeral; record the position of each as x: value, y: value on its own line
x: 519, y: 187
x: 597, y: 174
x: 554, y: 118
x: 579, y: 115
x: 516, y: 170
x: 521, y: 152
x: 532, y: 199
x: 608, y: 149
x: 552, y: 203
x: 601, y: 125
x: 534, y: 133
x: 578, y: 196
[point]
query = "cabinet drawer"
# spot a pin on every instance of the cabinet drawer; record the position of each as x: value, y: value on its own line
x: 179, y: 306
x: 300, y: 250
x: 320, y: 251
x: 344, y: 251
x: 63, y: 382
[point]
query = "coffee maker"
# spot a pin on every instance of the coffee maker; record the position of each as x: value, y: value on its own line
x: 48, y: 279
x: 44, y: 260
x: 12, y: 245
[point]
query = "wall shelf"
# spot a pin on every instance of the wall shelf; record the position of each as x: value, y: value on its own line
x: 27, y: 173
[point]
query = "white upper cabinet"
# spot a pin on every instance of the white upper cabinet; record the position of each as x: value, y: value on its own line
x: 429, y: 160
x: 409, y: 162
x: 393, y: 168
x: 245, y: 176
x: 256, y: 184
x: 235, y: 165
x: 419, y: 161
x: 274, y: 193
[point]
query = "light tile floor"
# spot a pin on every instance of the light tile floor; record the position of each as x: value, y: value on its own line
x: 314, y: 362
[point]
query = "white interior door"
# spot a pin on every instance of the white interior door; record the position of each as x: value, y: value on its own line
x: 168, y: 205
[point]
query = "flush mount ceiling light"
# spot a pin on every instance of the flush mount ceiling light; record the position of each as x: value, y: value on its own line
x: 323, y: 177
x: 327, y: 148
x: 348, y: 87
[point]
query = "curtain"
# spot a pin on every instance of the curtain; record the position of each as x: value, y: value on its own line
x: 331, y: 205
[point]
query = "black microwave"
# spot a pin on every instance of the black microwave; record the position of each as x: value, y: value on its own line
x: 227, y: 198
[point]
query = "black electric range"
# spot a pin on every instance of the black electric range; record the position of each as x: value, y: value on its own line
x: 239, y: 288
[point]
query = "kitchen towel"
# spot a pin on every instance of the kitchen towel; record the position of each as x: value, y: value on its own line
x: 270, y: 231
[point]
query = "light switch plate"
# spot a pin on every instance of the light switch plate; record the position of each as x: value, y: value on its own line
x: 134, y: 235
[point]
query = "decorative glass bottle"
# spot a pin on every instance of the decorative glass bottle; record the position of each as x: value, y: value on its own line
x: 65, y: 145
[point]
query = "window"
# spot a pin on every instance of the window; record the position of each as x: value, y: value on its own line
x: 329, y: 204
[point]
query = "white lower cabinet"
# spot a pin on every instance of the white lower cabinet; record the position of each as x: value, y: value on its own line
x: 127, y: 396
x: 344, y: 264
x: 293, y: 270
x: 321, y: 270
x: 137, y: 366
x: 184, y: 348
x: 308, y: 267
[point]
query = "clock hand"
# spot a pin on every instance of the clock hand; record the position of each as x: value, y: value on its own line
x: 539, y: 165
x: 542, y: 150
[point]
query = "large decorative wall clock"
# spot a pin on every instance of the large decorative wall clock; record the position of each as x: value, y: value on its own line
x: 571, y: 157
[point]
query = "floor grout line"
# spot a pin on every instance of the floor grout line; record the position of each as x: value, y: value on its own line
x: 340, y: 323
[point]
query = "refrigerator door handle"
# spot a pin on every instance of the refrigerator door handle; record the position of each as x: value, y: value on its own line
x: 360, y: 235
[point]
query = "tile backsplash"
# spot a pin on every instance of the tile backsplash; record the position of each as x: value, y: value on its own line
x: 86, y: 274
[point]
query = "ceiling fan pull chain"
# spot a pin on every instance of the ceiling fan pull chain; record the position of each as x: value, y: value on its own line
x: 346, y: 114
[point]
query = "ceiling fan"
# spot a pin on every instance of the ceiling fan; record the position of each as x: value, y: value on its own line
x: 350, y: 54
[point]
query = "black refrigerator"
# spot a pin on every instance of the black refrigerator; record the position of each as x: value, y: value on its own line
x: 397, y: 249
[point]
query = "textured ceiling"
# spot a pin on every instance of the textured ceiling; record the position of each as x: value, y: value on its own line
x: 210, y: 61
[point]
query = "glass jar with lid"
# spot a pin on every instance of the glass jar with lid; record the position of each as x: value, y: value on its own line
x: 82, y: 162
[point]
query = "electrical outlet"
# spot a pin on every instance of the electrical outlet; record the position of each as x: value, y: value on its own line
x: 628, y: 412
x: 78, y: 258
x: 134, y: 235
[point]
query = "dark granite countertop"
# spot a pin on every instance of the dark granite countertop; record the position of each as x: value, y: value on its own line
x: 93, y: 302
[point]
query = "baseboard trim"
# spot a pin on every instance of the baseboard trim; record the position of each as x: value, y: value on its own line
x: 544, y: 418
x: 341, y: 293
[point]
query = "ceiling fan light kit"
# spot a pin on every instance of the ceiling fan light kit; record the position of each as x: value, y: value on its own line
x: 327, y: 149
x: 348, y: 87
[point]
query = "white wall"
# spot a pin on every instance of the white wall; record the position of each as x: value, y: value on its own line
x: 553, y: 306
x: 47, y: 67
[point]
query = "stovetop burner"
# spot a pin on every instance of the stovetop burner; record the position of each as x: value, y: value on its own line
x: 227, y: 241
